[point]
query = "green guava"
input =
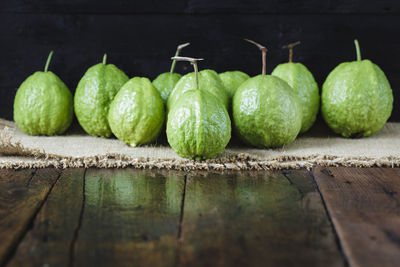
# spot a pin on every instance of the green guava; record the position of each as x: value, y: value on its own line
x: 137, y: 114
x: 232, y: 80
x: 95, y: 91
x: 266, y: 110
x: 208, y: 80
x: 198, y: 125
x: 356, y: 98
x: 165, y: 82
x: 43, y: 104
x: 302, y: 81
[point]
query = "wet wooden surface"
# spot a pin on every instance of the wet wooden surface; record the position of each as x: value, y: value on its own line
x: 125, y: 217
x: 364, y: 205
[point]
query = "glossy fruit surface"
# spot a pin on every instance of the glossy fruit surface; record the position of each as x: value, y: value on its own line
x: 95, y: 91
x: 208, y: 81
x: 266, y: 112
x: 356, y: 99
x: 165, y: 83
x: 232, y: 80
x: 43, y: 104
x: 198, y: 125
x: 303, y: 83
x: 137, y: 114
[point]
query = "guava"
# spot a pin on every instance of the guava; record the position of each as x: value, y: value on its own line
x: 43, y: 104
x: 266, y: 110
x: 137, y: 114
x: 302, y: 81
x: 356, y: 98
x: 198, y: 124
x: 232, y: 80
x: 165, y: 82
x: 208, y: 80
x: 95, y: 91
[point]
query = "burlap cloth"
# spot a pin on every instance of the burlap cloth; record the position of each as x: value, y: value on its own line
x: 76, y: 149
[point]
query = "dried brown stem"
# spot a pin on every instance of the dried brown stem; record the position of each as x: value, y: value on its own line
x: 181, y: 46
x: 263, y: 55
x: 192, y: 61
x: 178, y: 50
x: 290, y: 47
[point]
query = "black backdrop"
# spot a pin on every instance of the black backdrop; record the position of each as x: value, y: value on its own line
x: 140, y: 36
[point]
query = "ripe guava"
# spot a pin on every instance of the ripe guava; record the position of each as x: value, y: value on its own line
x: 43, y: 104
x: 356, y: 98
x: 137, y: 114
x: 93, y: 96
x: 266, y: 110
x: 198, y: 124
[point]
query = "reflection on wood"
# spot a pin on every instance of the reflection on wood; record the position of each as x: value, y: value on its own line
x: 256, y: 219
x: 49, y: 240
x: 130, y: 216
x: 364, y: 205
x: 133, y: 217
x: 21, y: 195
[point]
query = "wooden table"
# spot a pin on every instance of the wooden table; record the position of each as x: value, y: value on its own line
x: 128, y: 217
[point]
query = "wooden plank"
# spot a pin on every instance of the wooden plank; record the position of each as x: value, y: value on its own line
x: 49, y: 241
x: 22, y: 193
x: 80, y: 41
x: 255, y: 219
x: 130, y: 217
x: 290, y: 7
x: 364, y: 207
x: 201, y: 6
x: 92, y: 7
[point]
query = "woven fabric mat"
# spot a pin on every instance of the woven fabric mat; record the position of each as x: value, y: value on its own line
x: 76, y: 149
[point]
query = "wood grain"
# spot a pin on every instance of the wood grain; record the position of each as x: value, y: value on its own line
x: 130, y: 217
x: 93, y: 7
x: 290, y: 7
x: 200, y: 6
x: 48, y: 242
x: 255, y: 219
x: 364, y: 205
x: 21, y: 195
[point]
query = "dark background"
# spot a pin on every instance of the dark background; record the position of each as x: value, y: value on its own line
x: 140, y: 37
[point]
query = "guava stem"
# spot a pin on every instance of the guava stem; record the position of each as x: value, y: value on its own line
x: 357, y: 50
x: 263, y: 55
x: 290, y: 47
x: 178, y: 50
x: 104, y: 59
x: 196, y: 71
x: 192, y: 61
x: 46, y: 67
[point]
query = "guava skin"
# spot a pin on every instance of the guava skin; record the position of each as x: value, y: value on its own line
x: 137, y: 114
x: 208, y: 80
x: 165, y: 83
x: 95, y: 91
x: 43, y: 105
x: 198, y: 125
x: 356, y: 99
x: 266, y: 112
x: 232, y: 80
x: 302, y: 81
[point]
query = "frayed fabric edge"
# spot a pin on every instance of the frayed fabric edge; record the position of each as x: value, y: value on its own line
x: 37, y: 158
x: 188, y: 165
